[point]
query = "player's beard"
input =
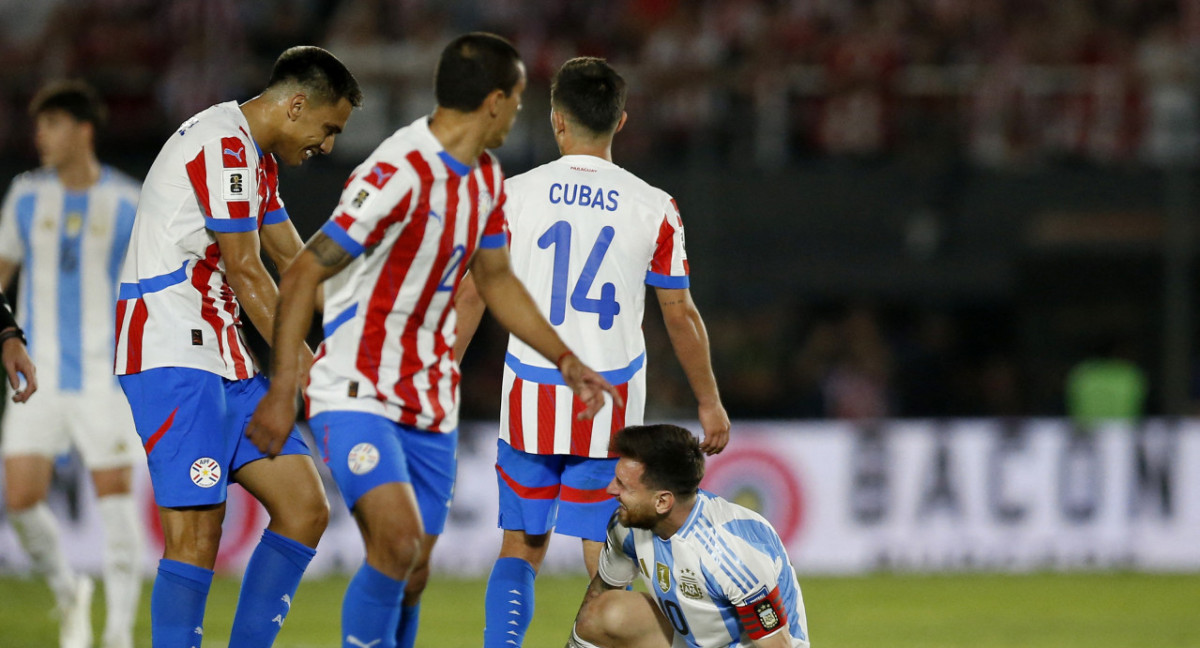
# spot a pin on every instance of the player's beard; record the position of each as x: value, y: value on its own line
x: 637, y: 517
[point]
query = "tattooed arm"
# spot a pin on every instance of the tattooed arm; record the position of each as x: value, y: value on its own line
x: 320, y: 259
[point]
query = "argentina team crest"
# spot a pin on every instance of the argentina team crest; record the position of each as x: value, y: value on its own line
x: 689, y: 585
x: 663, y: 576
x: 766, y: 615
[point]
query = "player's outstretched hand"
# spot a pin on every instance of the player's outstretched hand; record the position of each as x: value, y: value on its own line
x: 588, y: 385
x: 17, y: 365
x: 272, y: 421
x: 715, y: 422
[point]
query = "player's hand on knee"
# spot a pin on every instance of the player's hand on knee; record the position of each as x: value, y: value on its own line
x: 272, y: 422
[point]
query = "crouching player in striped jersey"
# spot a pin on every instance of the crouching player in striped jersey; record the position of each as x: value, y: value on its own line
x: 210, y: 203
x: 383, y: 390
x: 587, y: 237
x: 716, y: 573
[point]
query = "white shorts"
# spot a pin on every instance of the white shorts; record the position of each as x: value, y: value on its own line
x: 99, y: 425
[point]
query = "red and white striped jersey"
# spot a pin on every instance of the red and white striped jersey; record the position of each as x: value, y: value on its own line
x: 174, y: 307
x: 587, y: 237
x: 412, y: 216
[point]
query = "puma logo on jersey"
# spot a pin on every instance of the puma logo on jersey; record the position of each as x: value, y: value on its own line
x: 237, y: 154
x: 380, y: 174
x: 354, y: 641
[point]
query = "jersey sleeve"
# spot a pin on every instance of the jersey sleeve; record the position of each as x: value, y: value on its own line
x: 372, y: 201
x: 495, y: 229
x: 669, y: 265
x: 618, y: 558
x: 10, y: 239
x: 275, y: 211
x: 225, y: 185
x: 754, y: 591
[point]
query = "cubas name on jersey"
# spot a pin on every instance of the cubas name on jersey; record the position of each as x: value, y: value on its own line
x: 583, y: 195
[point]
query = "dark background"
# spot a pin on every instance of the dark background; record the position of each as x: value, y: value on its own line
x: 893, y: 208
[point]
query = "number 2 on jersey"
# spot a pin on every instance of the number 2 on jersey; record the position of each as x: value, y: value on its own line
x: 606, y: 306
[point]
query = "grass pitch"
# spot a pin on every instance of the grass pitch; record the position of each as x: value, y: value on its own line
x: 879, y: 611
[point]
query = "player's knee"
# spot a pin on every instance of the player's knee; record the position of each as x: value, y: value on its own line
x: 399, y: 550
x: 600, y: 619
x: 317, y: 514
x: 306, y: 519
x: 18, y: 498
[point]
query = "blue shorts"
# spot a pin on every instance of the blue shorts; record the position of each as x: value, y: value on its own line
x: 192, y: 424
x: 367, y: 450
x: 565, y: 493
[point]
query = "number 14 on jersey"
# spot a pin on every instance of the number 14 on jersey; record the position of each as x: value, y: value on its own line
x: 606, y: 307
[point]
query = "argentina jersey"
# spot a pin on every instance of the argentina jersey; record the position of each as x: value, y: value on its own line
x: 69, y: 245
x: 723, y: 579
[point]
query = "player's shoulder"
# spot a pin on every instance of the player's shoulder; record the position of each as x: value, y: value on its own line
x: 31, y: 179
x: 638, y: 189
x: 720, y: 513
x: 215, y: 123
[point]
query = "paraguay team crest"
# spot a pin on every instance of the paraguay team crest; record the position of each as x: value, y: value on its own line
x: 363, y: 458
x: 206, y: 472
x: 663, y: 574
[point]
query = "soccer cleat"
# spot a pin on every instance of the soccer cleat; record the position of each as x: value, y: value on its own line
x: 75, y: 625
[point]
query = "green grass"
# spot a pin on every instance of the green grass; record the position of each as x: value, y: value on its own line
x: 882, y: 611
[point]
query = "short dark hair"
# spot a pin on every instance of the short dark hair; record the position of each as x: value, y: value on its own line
x: 670, y: 456
x: 591, y: 92
x: 471, y: 67
x: 74, y: 97
x: 319, y: 72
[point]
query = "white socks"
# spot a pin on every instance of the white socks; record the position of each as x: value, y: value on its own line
x: 38, y: 531
x: 122, y: 566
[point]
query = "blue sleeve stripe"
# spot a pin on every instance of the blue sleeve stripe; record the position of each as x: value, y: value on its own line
x: 552, y: 376
x: 153, y: 284
x: 342, y: 318
x: 275, y: 217
x: 339, y: 235
x: 231, y: 225
x: 667, y: 281
x: 492, y: 241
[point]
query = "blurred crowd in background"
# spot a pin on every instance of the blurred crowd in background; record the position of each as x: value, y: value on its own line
x: 1011, y: 85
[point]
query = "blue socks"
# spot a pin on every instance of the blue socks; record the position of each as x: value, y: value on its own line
x: 406, y: 634
x: 270, y: 582
x: 177, y: 604
x: 371, y: 609
x: 508, y: 604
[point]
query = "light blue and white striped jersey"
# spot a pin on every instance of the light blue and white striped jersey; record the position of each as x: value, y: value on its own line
x: 70, y: 245
x: 722, y: 580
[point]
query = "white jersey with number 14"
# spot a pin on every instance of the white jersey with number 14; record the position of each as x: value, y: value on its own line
x: 587, y: 237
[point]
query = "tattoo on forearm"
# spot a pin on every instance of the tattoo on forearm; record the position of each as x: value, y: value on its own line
x: 672, y: 302
x: 327, y: 251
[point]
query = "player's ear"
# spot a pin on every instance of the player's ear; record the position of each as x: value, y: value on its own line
x: 664, y: 501
x: 296, y: 104
x: 621, y: 123
x: 492, y: 102
x: 558, y: 123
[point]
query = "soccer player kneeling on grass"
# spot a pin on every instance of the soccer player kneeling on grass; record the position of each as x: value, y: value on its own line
x: 717, y: 573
